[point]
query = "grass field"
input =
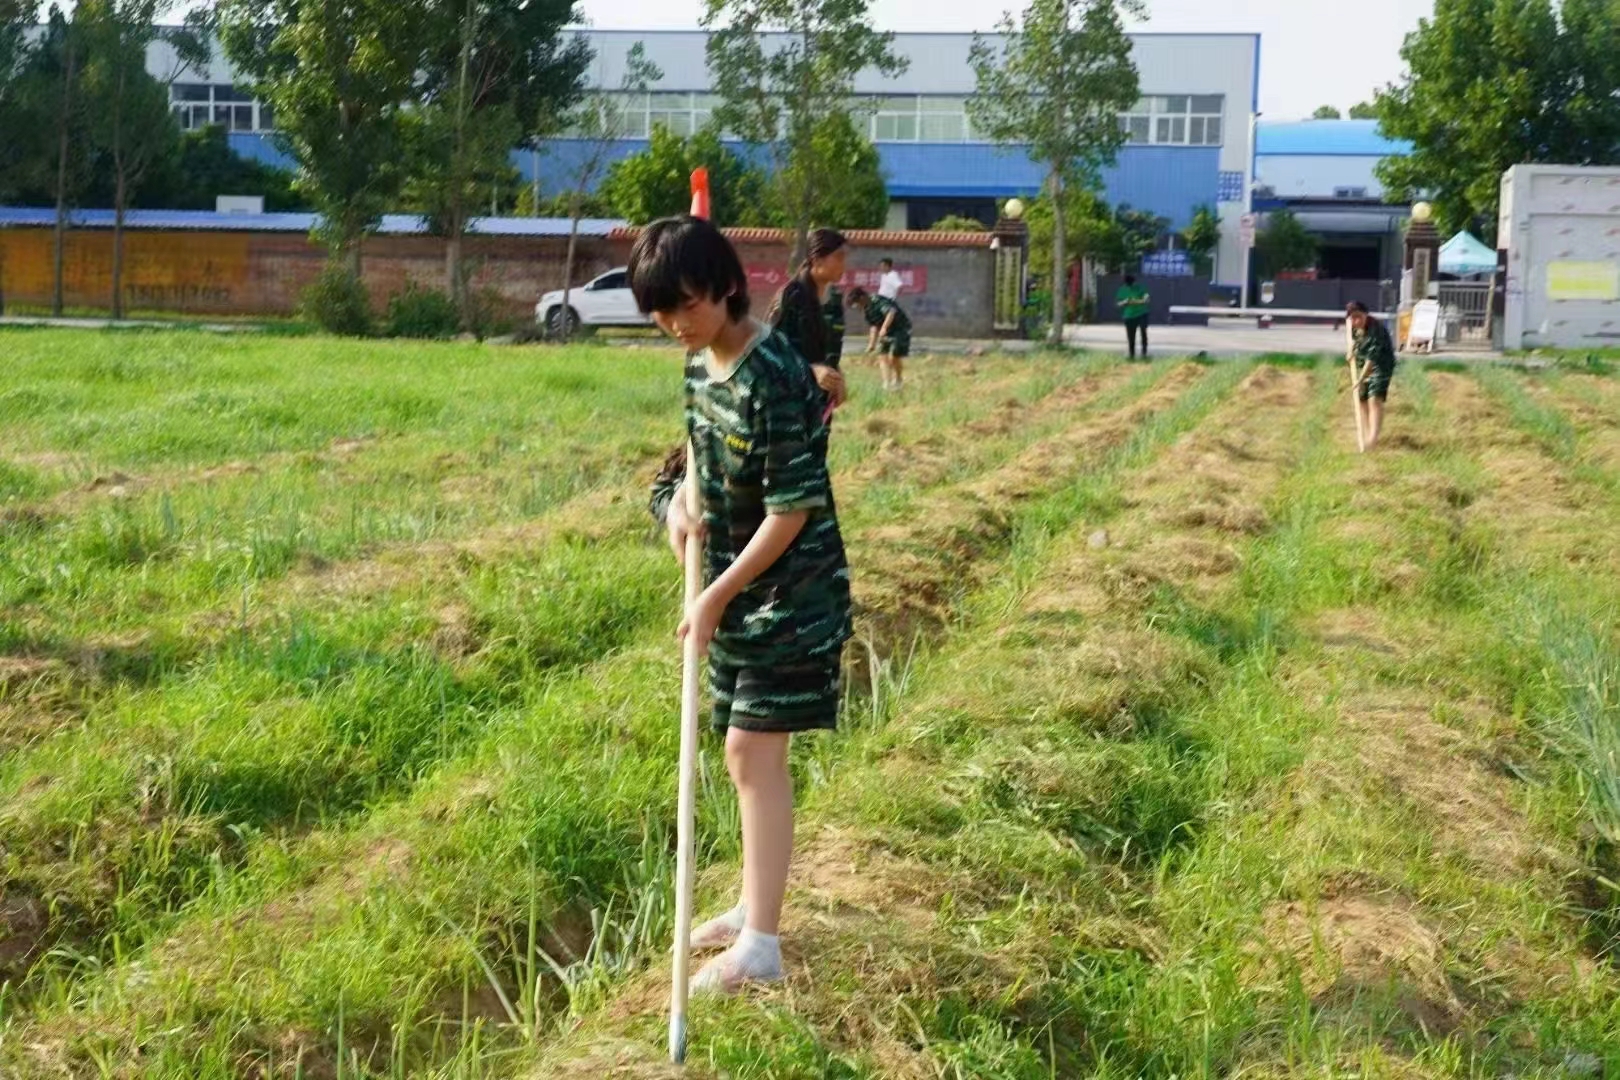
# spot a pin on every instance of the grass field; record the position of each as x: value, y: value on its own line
x: 338, y: 722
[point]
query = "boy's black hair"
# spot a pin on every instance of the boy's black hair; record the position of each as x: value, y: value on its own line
x: 678, y: 257
x: 887, y: 263
x: 1356, y: 307
x: 1130, y: 279
x: 856, y: 295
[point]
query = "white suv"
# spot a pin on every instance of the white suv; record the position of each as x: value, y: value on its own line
x: 605, y: 301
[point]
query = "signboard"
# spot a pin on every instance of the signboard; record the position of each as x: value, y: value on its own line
x: 1583, y: 281
x: 1246, y: 226
x: 1425, y: 323
x: 766, y: 280
x: 1168, y: 264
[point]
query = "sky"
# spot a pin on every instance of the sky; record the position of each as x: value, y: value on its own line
x: 1312, y: 52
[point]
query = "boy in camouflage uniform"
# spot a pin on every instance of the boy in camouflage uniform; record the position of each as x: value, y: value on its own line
x: 775, y: 610
x: 1375, y: 367
x: 891, y: 329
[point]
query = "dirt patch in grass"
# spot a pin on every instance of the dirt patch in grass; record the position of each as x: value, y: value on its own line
x: 1353, y: 944
x: 24, y: 932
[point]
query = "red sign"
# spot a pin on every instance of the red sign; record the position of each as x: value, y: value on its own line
x: 764, y: 280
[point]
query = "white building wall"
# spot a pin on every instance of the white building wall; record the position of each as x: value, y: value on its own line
x: 1316, y: 176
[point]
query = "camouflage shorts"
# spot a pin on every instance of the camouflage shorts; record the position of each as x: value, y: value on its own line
x: 783, y: 698
x: 896, y: 345
x: 1375, y: 385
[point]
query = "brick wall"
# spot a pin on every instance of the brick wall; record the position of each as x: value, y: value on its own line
x: 194, y: 272
x: 257, y: 273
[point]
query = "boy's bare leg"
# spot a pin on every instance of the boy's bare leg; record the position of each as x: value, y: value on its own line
x: 1375, y: 420
x: 899, y: 373
x: 758, y: 763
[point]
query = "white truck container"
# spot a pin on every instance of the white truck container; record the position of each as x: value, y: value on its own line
x: 1560, y: 227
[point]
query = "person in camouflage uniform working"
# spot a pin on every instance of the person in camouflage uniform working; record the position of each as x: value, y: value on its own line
x: 1375, y: 367
x: 774, y: 612
x: 891, y: 331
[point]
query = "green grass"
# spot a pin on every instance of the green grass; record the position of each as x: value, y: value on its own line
x: 339, y: 739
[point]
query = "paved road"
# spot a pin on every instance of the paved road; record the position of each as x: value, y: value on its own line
x: 1232, y: 338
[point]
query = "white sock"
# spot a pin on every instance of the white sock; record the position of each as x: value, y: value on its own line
x: 757, y: 957
x: 722, y: 930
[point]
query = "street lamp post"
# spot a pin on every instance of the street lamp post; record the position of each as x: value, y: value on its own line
x: 1248, y: 203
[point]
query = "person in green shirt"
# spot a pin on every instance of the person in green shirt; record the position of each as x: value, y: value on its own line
x: 1133, y: 308
x: 1375, y: 366
x: 774, y: 612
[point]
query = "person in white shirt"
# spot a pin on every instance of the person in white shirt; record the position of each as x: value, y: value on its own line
x: 889, y: 284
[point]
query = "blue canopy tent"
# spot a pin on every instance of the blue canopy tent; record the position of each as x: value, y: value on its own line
x: 1464, y: 255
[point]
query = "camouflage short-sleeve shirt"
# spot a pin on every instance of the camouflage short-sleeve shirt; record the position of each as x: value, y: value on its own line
x: 761, y: 448
x: 1373, y: 344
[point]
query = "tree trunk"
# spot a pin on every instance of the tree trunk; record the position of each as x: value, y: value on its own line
x: 118, y: 246
x: 452, y: 262
x: 64, y: 122
x: 1060, y: 280
x: 351, y: 253
x: 565, y: 320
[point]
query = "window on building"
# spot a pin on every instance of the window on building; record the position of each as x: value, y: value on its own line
x: 197, y: 105
x: 1350, y: 193
x: 894, y: 119
x: 943, y: 119
x: 1175, y: 120
x: 674, y: 111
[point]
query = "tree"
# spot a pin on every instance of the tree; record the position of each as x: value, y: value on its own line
x: 598, y: 124
x: 206, y: 167
x: 130, y: 119
x: 17, y: 18
x: 492, y: 73
x: 793, y: 95
x: 846, y: 188
x: 338, y: 74
x: 52, y: 125
x: 1325, y: 112
x: 1493, y: 83
x: 1202, y: 236
x: 1057, y: 86
x: 656, y: 182
x: 1363, y: 110
x: 1284, y: 244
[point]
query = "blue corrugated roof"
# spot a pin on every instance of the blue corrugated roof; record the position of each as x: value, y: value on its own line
x: 1327, y: 138
x: 207, y: 220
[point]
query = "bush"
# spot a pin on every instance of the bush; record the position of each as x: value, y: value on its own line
x: 958, y: 223
x: 486, y: 313
x: 422, y: 313
x: 338, y: 303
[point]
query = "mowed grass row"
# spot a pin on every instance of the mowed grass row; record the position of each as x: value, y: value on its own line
x: 1036, y: 763
x: 272, y: 852
x: 1292, y: 819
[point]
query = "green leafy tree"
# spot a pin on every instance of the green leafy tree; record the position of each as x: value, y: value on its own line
x: 17, y: 18
x: 846, y: 190
x: 130, y: 120
x: 1202, y: 236
x: 52, y: 137
x: 598, y: 123
x: 492, y: 72
x: 206, y: 167
x: 1056, y: 85
x: 1363, y: 110
x: 1284, y: 244
x: 657, y: 181
x: 339, y: 74
x: 1494, y: 83
x: 792, y: 93
x: 1325, y: 112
